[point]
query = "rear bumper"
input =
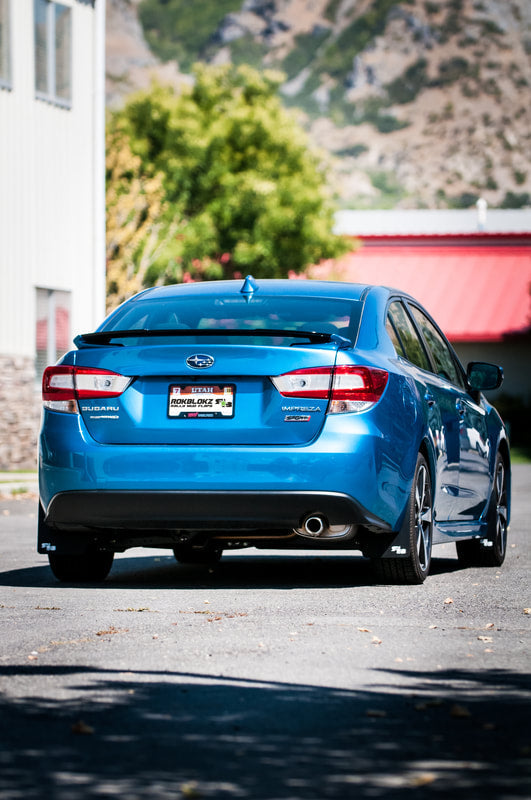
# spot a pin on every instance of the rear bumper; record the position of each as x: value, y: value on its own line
x: 174, y: 510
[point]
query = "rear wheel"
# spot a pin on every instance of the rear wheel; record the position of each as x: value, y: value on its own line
x: 415, y: 567
x: 490, y: 551
x: 91, y: 567
x: 199, y: 555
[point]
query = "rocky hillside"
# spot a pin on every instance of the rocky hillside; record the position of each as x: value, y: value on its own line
x: 422, y: 103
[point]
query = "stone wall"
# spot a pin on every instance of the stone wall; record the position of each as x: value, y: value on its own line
x: 20, y: 412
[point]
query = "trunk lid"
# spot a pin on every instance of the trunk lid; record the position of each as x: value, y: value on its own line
x: 231, y: 401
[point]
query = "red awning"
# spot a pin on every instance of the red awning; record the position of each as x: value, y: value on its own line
x: 475, y: 293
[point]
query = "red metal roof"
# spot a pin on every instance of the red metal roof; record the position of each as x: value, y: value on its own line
x: 474, y: 292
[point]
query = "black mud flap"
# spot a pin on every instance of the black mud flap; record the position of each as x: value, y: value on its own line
x: 393, y: 544
x: 50, y: 540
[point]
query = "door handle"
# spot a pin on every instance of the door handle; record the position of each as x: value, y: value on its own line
x: 460, y: 407
x: 430, y: 399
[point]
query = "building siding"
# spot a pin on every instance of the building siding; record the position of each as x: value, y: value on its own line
x: 51, y: 201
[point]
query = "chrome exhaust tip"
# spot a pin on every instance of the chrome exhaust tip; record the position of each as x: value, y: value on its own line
x: 316, y: 526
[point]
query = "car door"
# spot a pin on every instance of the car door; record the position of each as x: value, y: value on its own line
x: 440, y: 402
x: 470, y: 419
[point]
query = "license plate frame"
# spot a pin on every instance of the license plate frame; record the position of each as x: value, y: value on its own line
x: 201, y: 400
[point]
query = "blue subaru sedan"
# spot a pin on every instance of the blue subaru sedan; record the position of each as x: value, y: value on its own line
x: 207, y: 417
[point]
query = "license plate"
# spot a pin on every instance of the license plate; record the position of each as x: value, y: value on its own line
x: 212, y: 401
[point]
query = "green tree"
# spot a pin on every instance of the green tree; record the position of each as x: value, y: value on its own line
x: 237, y: 187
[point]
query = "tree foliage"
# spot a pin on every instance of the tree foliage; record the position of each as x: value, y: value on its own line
x: 215, y: 180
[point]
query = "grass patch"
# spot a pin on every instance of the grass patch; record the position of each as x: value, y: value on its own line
x: 521, y: 455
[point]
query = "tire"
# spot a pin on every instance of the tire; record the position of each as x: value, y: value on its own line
x: 472, y: 553
x: 92, y: 567
x: 203, y: 555
x: 414, y: 568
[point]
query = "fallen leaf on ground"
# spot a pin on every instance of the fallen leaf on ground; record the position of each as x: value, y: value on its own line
x: 375, y: 640
x: 364, y: 630
x: 190, y: 789
x: 485, y: 638
x: 82, y: 728
x: 448, y: 601
x: 423, y: 779
x: 112, y: 630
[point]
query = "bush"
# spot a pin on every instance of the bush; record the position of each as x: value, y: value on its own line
x: 337, y: 59
x: 451, y: 71
x: 405, y: 88
x: 304, y: 51
x: 216, y: 180
x: 174, y: 28
x: 515, y: 200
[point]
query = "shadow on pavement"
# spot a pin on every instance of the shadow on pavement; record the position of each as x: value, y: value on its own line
x: 157, y: 735
x: 261, y: 571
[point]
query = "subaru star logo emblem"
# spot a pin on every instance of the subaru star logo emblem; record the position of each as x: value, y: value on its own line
x: 200, y: 361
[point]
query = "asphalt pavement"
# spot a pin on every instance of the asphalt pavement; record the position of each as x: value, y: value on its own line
x: 271, y: 676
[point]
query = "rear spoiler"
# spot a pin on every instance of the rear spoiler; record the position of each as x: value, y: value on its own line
x: 105, y: 337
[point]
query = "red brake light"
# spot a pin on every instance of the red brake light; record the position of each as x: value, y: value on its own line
x: 62, y: 386
x: 348, y: 388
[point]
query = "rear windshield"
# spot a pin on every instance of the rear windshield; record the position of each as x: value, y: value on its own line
x: 230, y: 314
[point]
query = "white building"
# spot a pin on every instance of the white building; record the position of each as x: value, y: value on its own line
x: 52, y: 199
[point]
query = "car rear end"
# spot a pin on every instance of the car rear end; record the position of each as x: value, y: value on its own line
x: 236, y: 412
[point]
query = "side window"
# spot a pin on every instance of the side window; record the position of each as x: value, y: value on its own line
x: 440, y: 352
x: 390, y: 328
x: 411, y: 346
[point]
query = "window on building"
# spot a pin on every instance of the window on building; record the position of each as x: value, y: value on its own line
x: 52, y: 335
x: 53, y: 51
x: 5, y: 44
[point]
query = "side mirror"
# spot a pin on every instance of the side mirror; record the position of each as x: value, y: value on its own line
x: 482, y: 376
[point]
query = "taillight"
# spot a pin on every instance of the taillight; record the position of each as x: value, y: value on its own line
x: 63, y: 386
x: 314, y: 383
x: 347, y: 388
